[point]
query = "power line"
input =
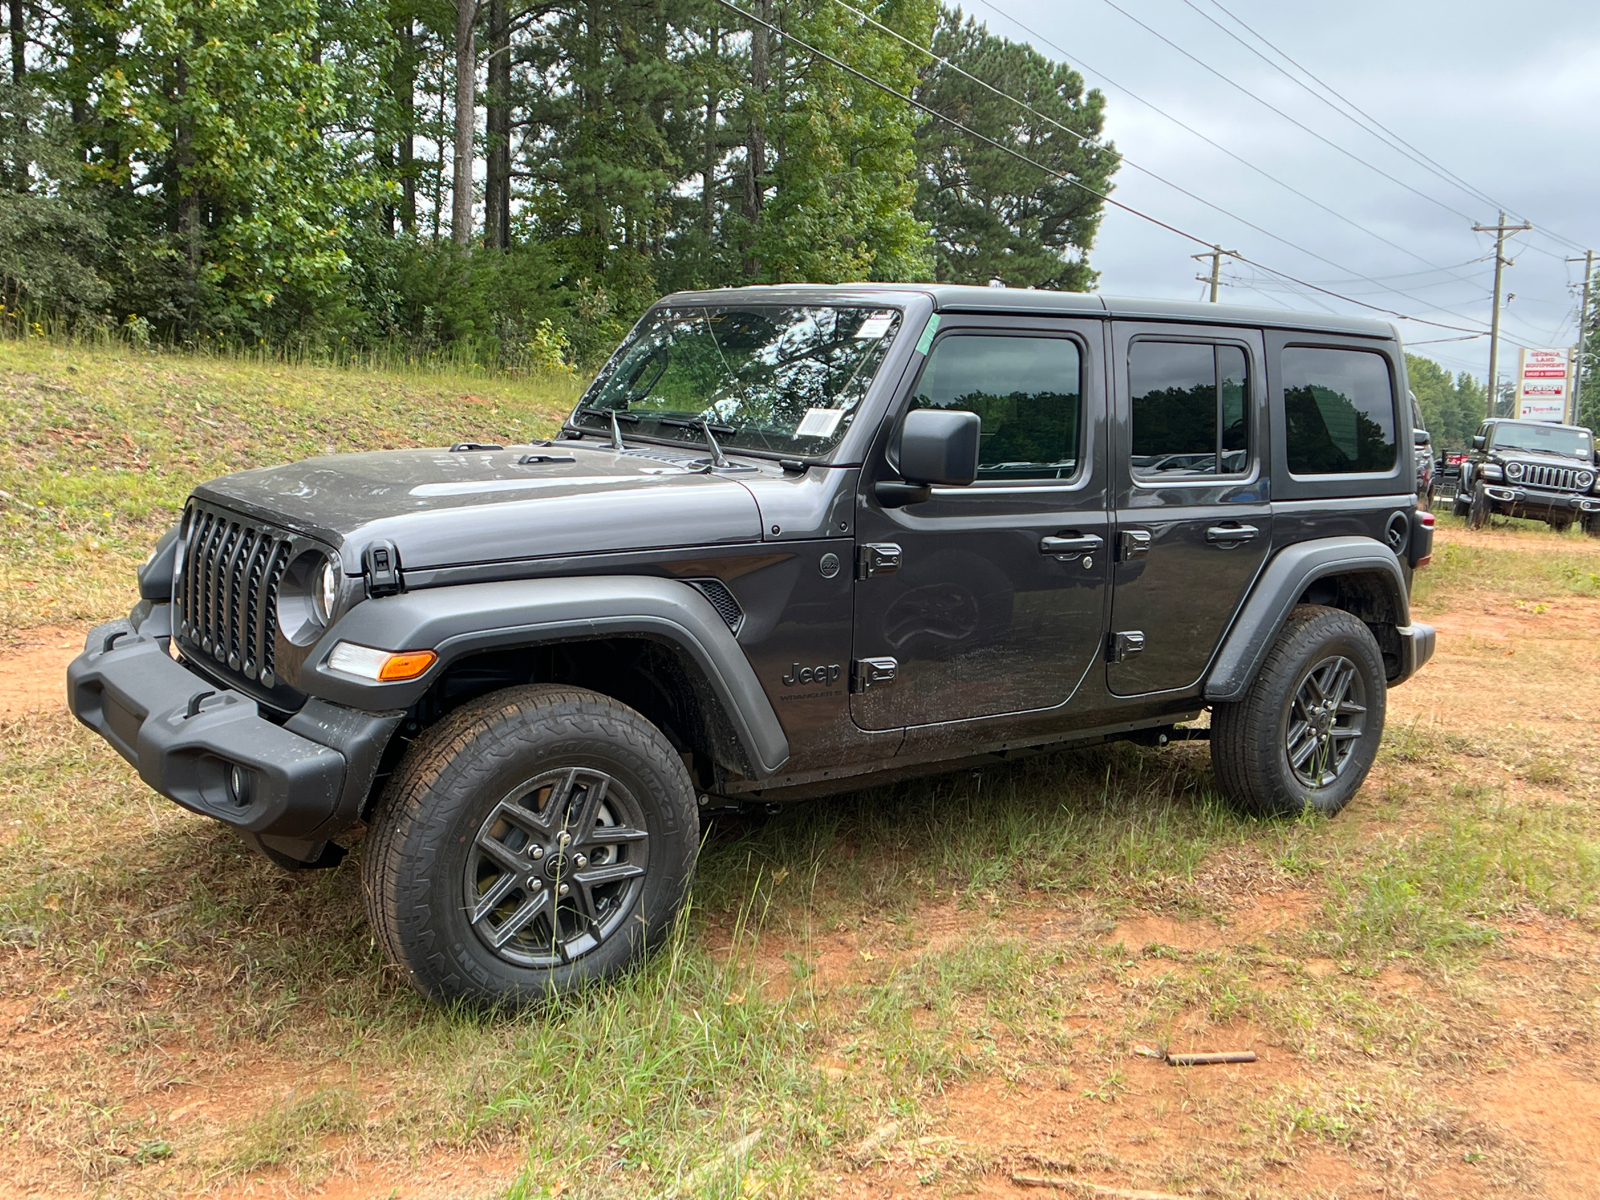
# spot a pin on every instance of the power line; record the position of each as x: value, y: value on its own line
x: 890, y: 90
x: 1422, y: 159
x: 1039, y: 37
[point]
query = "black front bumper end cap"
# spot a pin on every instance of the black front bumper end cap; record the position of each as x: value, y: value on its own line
x: 185, y: 736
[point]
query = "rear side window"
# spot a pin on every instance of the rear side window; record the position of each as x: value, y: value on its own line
x: 1188, y: 409
x: 1027, y: 391
x: 1338, y: 411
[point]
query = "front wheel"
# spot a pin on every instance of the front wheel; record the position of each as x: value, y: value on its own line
x: 1481, y: 508
x: 1561, y: 523
x: 1591, y: 524
x: 536, y: 840
x: 1307, y: 731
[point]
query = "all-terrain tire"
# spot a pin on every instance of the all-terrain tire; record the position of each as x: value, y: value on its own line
x: 1561, y: 523
x: 1591, y: 524
x: 467, y: 836
x: 1481, y: 508
x: 1252, y: 740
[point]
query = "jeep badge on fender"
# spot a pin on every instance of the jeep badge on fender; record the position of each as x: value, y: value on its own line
x: 528, y: 670
x: 801, y: 675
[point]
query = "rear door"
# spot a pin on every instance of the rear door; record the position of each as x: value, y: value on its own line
x: 1193, y: 518
x: 991, y: 598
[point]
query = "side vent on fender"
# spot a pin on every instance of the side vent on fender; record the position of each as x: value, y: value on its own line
x: 723, y: 600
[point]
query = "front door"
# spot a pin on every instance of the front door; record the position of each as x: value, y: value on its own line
x: 991, y: 598
x: 1193, y: 513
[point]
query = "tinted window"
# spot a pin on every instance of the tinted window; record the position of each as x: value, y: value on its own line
x: 1339, y: 411
x: 1025, y: 390
x: 1188, y: 409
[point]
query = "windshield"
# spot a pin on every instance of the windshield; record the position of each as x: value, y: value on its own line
x: 1546, y: 439
x: 785, y: 379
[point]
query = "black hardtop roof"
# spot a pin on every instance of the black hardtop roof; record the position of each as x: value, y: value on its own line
x: 952, y: 298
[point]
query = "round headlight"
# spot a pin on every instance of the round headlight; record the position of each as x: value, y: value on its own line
x: 1585, y: 478
x: 1514, y: 471
x: 325, y: 591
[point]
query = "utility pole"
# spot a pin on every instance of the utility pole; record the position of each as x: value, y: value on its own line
x: 1215, y: 255
x: 1583, y: 321
x: 1500, y: 263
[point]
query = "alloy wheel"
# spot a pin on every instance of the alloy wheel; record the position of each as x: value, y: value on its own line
x: 556, y: 867
x: 1326, y: 719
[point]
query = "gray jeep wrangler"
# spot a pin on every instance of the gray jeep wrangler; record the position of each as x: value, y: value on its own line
x: 792, y: 541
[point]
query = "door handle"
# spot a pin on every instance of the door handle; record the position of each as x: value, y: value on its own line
x: 1231, y: 533
x: 1071, y: 546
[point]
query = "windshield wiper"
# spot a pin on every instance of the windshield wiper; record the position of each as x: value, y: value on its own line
x: 718, y: 458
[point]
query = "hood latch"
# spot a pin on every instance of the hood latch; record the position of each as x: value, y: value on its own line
x: 380, y: 563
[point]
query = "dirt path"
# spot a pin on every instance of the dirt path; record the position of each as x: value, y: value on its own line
x: 33, y: 672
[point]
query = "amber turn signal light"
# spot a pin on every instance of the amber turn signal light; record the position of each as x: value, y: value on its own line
x: 406, y: 666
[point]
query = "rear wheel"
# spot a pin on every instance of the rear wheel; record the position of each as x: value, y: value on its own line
x: 536, y: 840
x: 1480, y: 509
x: 1306, y: 732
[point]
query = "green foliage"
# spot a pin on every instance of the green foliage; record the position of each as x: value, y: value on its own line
x: 994, y: 216
x: 249, y: 172
x: 49, y: 236
x: 1452, y: 408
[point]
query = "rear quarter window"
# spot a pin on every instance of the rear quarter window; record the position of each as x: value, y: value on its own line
x: 1339, y: 412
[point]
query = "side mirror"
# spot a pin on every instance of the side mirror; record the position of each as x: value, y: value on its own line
x: 937, y: 446
x: 1419, y: 437
x: 1478, y: 442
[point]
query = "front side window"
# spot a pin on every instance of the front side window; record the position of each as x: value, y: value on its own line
x: 777, y: 378
x: 1338, y: 411
x: 1188, y: 411
x: 1027, y: 391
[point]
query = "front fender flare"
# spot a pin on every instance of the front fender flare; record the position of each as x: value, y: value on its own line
x: 1282, y: 583
x: 472, y: 618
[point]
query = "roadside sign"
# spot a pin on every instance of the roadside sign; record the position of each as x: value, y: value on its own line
x: 1542, y: 385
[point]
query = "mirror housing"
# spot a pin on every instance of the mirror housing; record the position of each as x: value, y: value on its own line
x: 939, y: 446
x: 1419, y: 437
x: 1478, y: 442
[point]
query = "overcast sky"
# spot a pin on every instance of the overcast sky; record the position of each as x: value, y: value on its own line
x: 1505, y: 96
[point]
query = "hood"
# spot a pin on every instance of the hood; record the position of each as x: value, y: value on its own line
x: 445, y: 508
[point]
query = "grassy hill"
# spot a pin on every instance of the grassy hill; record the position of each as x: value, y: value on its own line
x: 100, y: 448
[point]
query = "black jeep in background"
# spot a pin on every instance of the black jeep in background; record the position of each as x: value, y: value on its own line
x: 1530, y: 469
x: 791, y: 541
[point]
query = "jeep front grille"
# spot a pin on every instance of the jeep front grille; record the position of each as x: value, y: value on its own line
x: 1535, y: 475
x: 723, y: 600
x: 226, y: 590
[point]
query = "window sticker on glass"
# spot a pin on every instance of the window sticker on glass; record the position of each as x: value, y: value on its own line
x: 876, y: 325
x: 819, y: 422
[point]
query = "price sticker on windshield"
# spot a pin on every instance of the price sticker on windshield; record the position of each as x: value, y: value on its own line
x: 819, y: 422
x: 874, y: 326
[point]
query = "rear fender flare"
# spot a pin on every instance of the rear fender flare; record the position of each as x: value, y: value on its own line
x: 471, y: 618
x: 1286, y: 577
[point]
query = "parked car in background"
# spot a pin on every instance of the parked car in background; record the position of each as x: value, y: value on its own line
x: 1530, y: 469
x: 1423, y: 444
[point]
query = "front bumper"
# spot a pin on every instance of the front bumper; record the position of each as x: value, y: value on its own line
x: 308, y: 777
x: 1416, y: 648
x: 1515, y: 501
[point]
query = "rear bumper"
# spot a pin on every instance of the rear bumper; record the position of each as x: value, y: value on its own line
x: 1416, y: 648
x: 308, y: 778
